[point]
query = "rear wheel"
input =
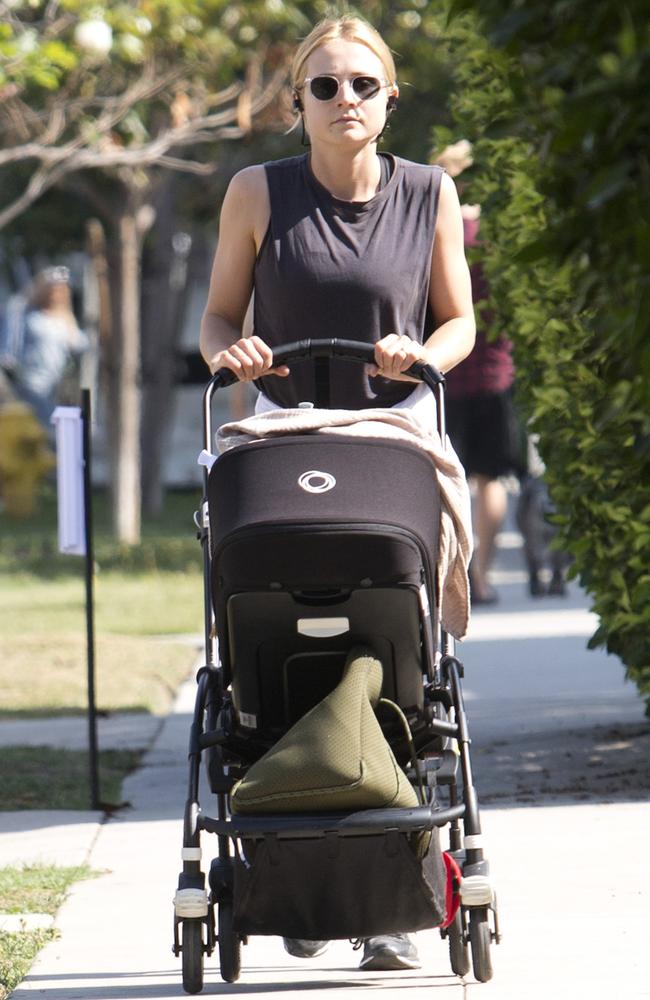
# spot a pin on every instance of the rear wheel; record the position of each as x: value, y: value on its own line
x: 229, y: 944
x: 480, y: 938
x: 458, y: 950
x: 192, y: 954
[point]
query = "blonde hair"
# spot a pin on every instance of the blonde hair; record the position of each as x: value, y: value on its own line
x: 352, y: 29
x: 456, y: 157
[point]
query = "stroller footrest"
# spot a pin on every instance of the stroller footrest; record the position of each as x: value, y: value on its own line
x: 476, y: 890
x: 191, y: 903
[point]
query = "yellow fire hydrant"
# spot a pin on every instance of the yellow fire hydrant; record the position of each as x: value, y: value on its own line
x: 25, y: 457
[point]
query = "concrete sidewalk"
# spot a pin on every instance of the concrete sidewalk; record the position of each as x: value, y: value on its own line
x: 567, y: 856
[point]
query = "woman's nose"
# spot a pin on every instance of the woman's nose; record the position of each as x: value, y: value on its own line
x: 347, y: 93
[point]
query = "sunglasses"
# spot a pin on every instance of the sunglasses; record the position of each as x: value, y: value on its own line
x: 325, y: 88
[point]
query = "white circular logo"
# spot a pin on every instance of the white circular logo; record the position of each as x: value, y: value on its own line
x: 316, y: 482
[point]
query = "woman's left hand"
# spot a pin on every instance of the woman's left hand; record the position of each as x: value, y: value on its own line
x: 394, y: 355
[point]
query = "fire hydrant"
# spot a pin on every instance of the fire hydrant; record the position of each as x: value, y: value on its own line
x: 25, y: 457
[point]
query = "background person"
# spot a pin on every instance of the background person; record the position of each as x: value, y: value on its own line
x: 50, y: 339
x: 339, y: 242
x: 482, y: 421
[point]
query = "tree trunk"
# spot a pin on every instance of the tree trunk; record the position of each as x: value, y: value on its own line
x: 164, y: 286
x: 126, y: 394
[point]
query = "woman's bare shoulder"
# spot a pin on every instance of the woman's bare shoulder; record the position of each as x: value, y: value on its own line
x: 448, y: 189
x: 247, y: 200
x: 249, y: 180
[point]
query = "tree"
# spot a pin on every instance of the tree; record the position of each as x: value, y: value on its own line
x: 117, y: 99
x: 112, y: 104
x: 554, y: 96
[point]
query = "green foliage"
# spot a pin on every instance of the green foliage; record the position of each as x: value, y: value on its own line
x: 555, y: 98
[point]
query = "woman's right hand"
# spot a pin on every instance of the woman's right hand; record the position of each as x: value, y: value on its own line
x: 248, y: 358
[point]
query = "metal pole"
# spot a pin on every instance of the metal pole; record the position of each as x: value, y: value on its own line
x: 93, y: 758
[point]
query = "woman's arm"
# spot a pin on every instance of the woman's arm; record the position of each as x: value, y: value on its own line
x: 244, y: 219
x: 451, y: 287
x: 450, y: 295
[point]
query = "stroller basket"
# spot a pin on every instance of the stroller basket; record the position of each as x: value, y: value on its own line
x: 335, y: 887
x: 362, y: 869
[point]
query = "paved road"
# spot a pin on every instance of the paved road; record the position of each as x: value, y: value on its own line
x: 556, y: 735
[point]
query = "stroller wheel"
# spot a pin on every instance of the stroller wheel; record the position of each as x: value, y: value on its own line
x: 192, y: 954
x: 229, y: 945
x: 480, y: 937
x: 458, y: 950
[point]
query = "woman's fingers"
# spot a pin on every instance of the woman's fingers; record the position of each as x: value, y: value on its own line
x: 251, y: 362
x: 248, y: 358
x: 394, y: 355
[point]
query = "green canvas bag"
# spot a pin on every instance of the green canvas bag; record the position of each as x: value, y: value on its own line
x: 334, y: 758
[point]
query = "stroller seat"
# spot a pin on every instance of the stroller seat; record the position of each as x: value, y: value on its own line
x: 301, y: 576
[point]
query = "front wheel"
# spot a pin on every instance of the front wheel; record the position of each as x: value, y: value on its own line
x: 458, y: 950
x: 229, y: 944
x: 192, y: 954
x: 480, y: 938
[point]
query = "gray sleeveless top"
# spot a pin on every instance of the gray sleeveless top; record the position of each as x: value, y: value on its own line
x: 355, y: 270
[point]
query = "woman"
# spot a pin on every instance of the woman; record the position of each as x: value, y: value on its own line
x: 342, y: 242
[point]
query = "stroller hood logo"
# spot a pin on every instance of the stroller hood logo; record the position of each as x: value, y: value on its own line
x: 316, y: 482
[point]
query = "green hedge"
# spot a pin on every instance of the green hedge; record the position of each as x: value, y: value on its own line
x: 554, y: 95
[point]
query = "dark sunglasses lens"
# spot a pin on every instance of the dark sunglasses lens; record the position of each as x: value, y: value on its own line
x: 366, y: 86
x: 324, y: 88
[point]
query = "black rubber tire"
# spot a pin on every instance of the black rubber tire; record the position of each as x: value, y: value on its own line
x: 229, y: 944
x: 192, y: 955
x: 480, y: 939
x: 458, y: 950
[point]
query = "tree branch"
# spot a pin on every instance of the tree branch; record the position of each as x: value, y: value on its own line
x: 100, y: 152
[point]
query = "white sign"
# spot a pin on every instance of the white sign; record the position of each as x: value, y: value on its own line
x: 68, y: 422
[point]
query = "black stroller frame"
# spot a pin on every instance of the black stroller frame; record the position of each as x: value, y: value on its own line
x: 217, y: 734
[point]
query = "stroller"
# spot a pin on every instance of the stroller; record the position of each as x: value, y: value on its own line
x: 309, y: 551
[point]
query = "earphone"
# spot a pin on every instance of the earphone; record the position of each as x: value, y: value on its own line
x: 391, y: 104
x: 297, y: 103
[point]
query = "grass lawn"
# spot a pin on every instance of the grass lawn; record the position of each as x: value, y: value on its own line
x: 138, y: 666
x: 37, y: 889
x: 17, y: 952
x: 46, y: 778
x: 144, y: 596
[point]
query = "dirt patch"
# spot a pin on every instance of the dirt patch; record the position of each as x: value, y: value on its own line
x: 597, y: 763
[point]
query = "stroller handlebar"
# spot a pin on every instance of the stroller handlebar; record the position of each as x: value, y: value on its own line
x: 346, y: 350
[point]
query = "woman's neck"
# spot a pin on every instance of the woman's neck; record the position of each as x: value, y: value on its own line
x: 353, y: 176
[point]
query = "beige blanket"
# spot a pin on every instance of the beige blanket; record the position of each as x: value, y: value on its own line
x: 394, y: 424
